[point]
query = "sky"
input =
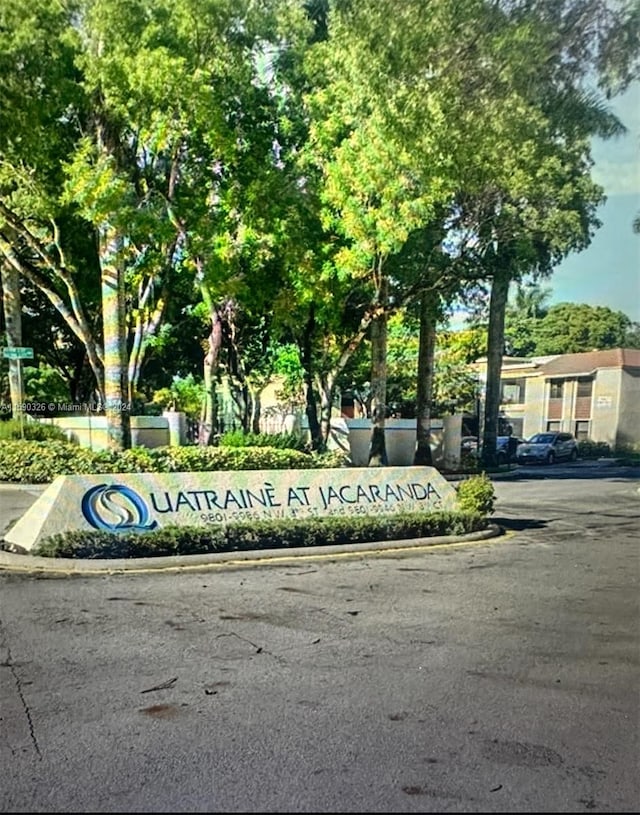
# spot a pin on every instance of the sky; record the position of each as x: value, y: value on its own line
x: 607, y: 273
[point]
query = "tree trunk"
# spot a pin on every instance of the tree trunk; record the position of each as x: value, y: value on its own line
x: 325, y: 382
x: 241, y: 403
x: 208, y: 416
x: 147, y: 321
x: 116, y: 391
x: 72, y: 314
x: 426, y: 356
x: 377, y: 447
x: 255, y: 406
x: 325, y: 386
x: 318, y: 443
x: 12, y: 306
x: 238, y: 389
x: 495, y: 351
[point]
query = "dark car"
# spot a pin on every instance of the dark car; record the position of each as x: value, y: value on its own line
x: 546, y: 448
x: 506, y: 447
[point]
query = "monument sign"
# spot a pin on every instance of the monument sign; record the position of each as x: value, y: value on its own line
x: 143, y: 502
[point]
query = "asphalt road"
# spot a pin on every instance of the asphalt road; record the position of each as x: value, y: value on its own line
x: 486, y: 677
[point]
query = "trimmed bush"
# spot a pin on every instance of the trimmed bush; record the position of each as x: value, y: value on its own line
x: 477, y: 495
x: 281, y: 441
x: 240, y: 537
x: 628, y: 454
x: 38, y: 462
x: 593, y: 449
x: 33, y: 431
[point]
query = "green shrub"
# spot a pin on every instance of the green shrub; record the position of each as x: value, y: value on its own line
x: 204, y: 459
x: 33, y: 431
x: 330, y: 459
x: 477, y: 494
x: 629, y: 452
x: 281, y: 441
x: 38, y: 462
x: 469, y: 463
x: 593, y: 449
x: 276, y: 534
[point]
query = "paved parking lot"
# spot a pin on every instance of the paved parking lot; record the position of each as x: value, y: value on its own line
x: 486, y: 677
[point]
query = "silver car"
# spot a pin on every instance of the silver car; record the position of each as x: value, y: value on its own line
x: 546, y: 448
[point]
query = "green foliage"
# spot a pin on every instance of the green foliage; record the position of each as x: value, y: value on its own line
x: 241, y: 537
x: 281, y: 441
x: 185, y: 394
x: 44, y: 384
x: 628, y: 454
x: 12, y: 429
x: 455, y: 385
x: 36, y: 462
x: 476, y: 494
x: 283, y: 156
x: 528, y: 306
x: 593, y: 449
x: 569, y: 328
x: 288, y: 365
x: 330, y: 459
x: 469, y: 462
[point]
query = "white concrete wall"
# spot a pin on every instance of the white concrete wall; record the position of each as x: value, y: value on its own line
x: 400, y: 441
x: 177, y: 424
x: 628, y: 430
x: 452, y: 432
x: 536, y: 407
x: 91, y: 431
x: 606, y: 405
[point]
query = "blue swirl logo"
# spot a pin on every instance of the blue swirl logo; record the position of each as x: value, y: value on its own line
x: 129, y: 514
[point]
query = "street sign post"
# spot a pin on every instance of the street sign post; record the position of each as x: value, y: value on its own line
x: 17, y: 353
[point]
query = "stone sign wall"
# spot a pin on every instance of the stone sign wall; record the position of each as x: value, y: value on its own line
x: 146, y: 501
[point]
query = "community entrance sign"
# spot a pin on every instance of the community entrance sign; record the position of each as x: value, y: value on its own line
x: 143, y: 502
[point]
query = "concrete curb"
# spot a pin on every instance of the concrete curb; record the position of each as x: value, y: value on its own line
x: 10, y: 561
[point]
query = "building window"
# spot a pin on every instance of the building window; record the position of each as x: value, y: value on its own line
x: 585, y: 387
x: 556, y: 387
x: 513, y: 391
x: 553, y: 427
x: 582, y: 430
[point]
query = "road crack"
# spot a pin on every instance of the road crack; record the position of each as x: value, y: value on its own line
x: 8, y: 663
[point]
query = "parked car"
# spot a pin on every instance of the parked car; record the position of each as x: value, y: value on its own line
x: 547, y: 448
x: 507, y: 447
x: 469, y: 447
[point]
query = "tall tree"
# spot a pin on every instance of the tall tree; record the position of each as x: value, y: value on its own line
x: 378, y: 135
x: 147, y: 117
x: 570, y: 328
x: 534, y: 198
x: 12, y: 313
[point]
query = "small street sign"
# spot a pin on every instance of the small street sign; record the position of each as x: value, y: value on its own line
x: 17, y: 352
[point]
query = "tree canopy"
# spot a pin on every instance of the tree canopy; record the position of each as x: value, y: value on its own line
x: 196, y: 187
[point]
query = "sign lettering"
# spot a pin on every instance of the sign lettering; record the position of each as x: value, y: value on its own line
x: 146, y: 501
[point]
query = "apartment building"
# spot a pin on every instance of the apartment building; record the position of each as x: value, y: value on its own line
x: 594, y: 395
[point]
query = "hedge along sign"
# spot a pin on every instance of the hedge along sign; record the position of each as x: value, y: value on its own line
x: 143, y: 502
